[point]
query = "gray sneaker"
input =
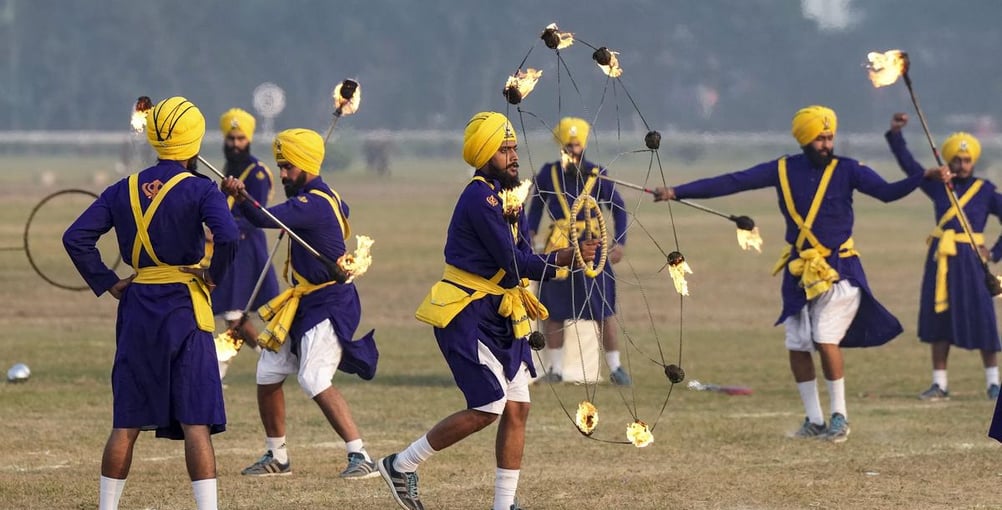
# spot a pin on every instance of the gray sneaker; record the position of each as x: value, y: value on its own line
x: 403, y: 486
x: 268, y: 466
x: 359, y: 468
x: 619, y: 377
x: 811, y: 430
x: 934, y: 394
x: 993, y: 392
x: 838, y: 428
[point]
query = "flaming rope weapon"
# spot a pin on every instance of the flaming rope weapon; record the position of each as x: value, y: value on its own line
x: 339, y: 274
x: 884, y: 69
x: 347, y: 96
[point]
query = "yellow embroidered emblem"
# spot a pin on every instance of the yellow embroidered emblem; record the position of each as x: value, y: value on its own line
x: 491, y: 199
x: 260, y: 175
x: 302, y: 198
x: 150, y: 189
x: 827, y: 123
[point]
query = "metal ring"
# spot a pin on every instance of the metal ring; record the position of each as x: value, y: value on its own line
x: 586, y: 200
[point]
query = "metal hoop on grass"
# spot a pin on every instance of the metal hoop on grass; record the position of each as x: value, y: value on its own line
x: 27, y: 244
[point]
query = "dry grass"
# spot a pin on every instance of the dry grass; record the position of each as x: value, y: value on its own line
x: 711, y: 451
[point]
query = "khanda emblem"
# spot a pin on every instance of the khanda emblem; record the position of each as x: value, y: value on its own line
x: 573, y: 131
x: 234, y: 124
x: 827, y: 123
x: 278, y: 150
x: 150, y: 189
x: 963, y: 146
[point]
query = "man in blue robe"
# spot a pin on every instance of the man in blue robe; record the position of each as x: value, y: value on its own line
x: 481, y: 311
x: 827, y: 303
x: 312, y: 323
x: 165, y: 376
x: 955, y: 307
x: 558, y: 185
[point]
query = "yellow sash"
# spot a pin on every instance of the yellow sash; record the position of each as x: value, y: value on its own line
x: 162, y: 273
x: 281, y: 310
x: 816, y: 275
x: 446, y: 300
x: 947, y: 246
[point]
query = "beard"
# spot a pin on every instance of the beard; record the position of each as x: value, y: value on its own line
x: 501, y: 174
x: 294, y: 186
x: 817, y: 159
x: 236, y: 159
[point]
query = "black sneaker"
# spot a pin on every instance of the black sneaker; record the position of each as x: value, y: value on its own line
x: 934, y: 394
x: 403, y: 486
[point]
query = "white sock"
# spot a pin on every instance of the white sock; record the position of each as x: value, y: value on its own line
x: 277, y: 447
x: 556, y: 359
x: 356, y: 446
x: 991, y: 375
x: 205, y: 494
x: 812, y: 403
x: 111, y: 492
x: 408, y: 460
x: 505, y: 485
x: 939, y: 377
x: 612, y: 359
x: 836, y: 395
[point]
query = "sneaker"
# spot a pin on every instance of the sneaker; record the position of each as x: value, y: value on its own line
x: 619, y: 377
x: 934, y: 394
x: 268, y: 466
x: 403, y: 486
x: 359, y: 468
x: 553, y: 377
x: 838, y: 428
x: 993, y: 392
x: 811, y: 430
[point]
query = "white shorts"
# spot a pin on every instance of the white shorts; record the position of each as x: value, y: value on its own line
x: 516, y: 390
x: 319, y: 356
x: 825, y: 319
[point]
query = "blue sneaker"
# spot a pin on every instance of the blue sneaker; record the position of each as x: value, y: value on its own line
x: 993, y: 392
x: 811, y: 430
x: 619, y: 377
x: 838, y: 428
x: 934, y: 394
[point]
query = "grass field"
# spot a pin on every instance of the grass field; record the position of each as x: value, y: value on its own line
x: 711, y: 451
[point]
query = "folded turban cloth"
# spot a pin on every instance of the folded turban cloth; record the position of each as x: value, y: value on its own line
x: 961, y: 143
x: 484, y: 135
x: 303, y: 148
x: 810, y: 122
x: 174, y: 128
x: 571, y: 130
x: 237, y: 119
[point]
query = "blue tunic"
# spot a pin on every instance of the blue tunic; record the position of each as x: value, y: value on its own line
x: 578, y: 297
x: 312, y: 218
x: 235, y: 289
x: 873, y: 324
x: 995, y: 430
x: 165, y: 370
x: 969, y: 322
x: 480, y: 241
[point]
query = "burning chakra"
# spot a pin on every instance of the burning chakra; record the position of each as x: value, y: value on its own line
x: 748, y: 239
x: 639, y: 434
x: 356, y: 264
x: 347, y: 96
x: 885, y: 68
x: 678, y: 268
x: 586, y: 418
x: 555, y: 39
x: 520, y: 84
x: 607, y: 61
x: 513, y: 200
x: 227, y: 346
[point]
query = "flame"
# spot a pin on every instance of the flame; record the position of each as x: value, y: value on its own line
x: 512, y: 199
x: 612, y: 70
x: 677, y: 269
x: 227, y: 346
x: 143, y: 105
x: 349, y: 105
x: 586, y: 418
x: 552, y: 34
x: 750, y: 239
x: 356, y: 264
x: 523, y: 81
x: 885, y: 68
x: 639, y: 434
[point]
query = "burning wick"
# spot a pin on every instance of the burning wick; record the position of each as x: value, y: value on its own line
x: 607, y: 61
x: 555, y: 39
x: 677, y: 269
x: 885, y: 68
x: 347, y: 96
x: 586, y: 418
x: 143, y: 105
x: 639, y: 434
x: 520, y: 84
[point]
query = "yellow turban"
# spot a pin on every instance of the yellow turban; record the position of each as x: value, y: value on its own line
x: 572, y: 129
x: 484, y: 135
x: 810, y: 122
x: 961, y: 143
x: 304, y: 148
x: 237, y: 119
x: 174, y: 128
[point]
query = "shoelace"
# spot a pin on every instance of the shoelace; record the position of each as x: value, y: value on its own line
x: 411, y: 479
